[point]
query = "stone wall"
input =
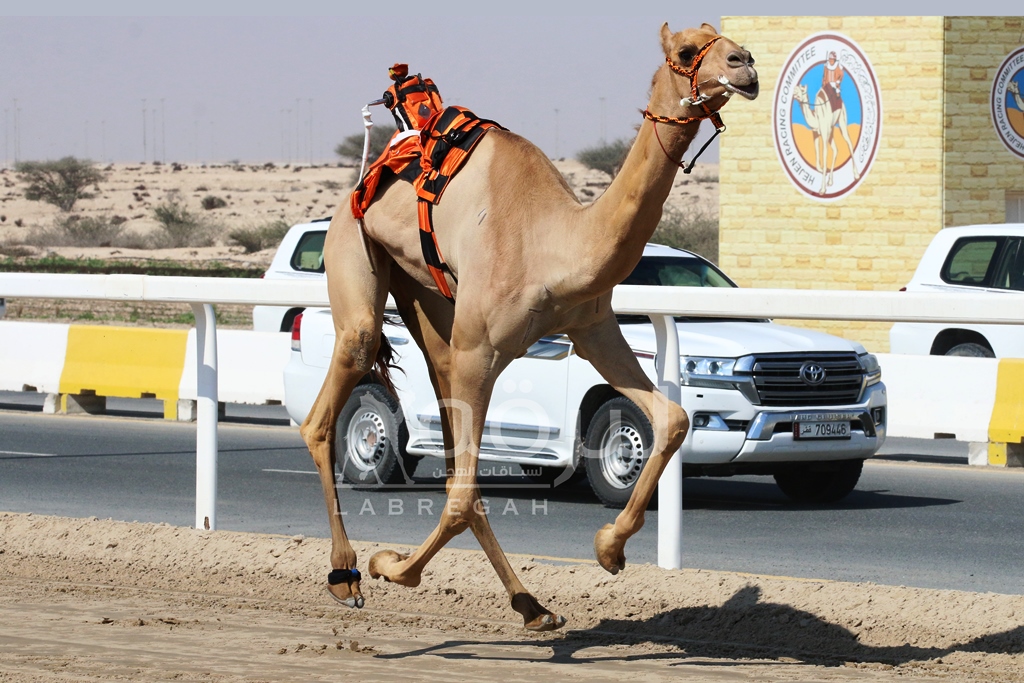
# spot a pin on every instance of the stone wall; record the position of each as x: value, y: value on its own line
x: 772, y: 234
x: 979, y: 169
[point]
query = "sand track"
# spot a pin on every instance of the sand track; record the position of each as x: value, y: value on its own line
x: 94, y: 600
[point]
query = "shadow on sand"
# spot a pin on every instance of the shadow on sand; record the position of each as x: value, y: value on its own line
x: 742, y: 628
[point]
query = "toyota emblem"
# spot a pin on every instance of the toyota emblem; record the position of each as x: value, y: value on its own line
x: 812, y: 374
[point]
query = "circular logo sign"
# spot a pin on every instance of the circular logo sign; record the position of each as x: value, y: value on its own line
x: 1008, y: 102
x: 827, y: 116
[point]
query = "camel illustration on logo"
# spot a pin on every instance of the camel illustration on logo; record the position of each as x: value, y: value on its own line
x: 827, y: 84
x: 1007, y: 102
x: 827, y: 113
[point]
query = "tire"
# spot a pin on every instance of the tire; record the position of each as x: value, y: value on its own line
x: 971, y: 350
x: 808, y: 485
x: 615, y: 449
x: 370, y: 440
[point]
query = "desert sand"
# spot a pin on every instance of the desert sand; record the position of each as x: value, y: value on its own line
x: 98, y: 600
x: 255, y: 194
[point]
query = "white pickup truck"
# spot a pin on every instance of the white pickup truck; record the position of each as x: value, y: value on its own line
x: 804, y: 407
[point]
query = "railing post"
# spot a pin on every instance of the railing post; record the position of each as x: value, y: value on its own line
x: 206, y: 416
x: 670, y: 486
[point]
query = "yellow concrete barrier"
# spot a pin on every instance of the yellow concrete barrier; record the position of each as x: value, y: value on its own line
x: 126, y: 362
x: 1006, y: 429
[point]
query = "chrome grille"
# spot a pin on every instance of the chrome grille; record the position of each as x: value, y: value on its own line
x: 778, y: 382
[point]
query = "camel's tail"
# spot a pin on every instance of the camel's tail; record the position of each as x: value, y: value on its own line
x: 384, y: 363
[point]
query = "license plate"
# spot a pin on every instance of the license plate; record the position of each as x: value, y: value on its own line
x: 821, y: 430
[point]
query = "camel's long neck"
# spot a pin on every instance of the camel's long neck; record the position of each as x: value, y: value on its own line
x: 622, y: 220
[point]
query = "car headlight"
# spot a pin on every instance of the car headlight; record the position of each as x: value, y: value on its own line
x: 872, y: 370
x: 709, y: 372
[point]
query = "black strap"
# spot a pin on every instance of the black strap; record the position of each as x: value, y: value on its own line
x: 710, y: 140
x: 343, y: 576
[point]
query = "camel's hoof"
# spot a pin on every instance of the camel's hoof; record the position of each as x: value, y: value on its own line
x: 608, y: 550
x: 383, y: 565
x: 546, y: 622
x: 354, y: 601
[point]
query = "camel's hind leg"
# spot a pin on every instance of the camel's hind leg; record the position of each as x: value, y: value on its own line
x: 474, y: 368
x: 603, y: 345
x: 429, y: 317
x: 358, y: 291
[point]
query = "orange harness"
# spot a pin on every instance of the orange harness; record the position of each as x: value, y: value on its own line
x: 428, y: 160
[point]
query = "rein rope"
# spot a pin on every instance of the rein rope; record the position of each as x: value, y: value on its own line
x: 695, y: 98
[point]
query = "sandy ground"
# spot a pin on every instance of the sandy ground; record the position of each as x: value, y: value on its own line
x: 255, y: 195
x: 94, y: 600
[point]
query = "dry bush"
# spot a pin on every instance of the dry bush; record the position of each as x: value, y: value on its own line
x: 80, y: 231
x: 259, y: 237
x: 213, y: 202
x: 61, y: 182
x: 351, y: 148
x: 693, y: 228
x: 181, y: 227
x: 607, y: 157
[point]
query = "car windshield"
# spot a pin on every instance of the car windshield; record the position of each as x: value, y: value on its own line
x: 678, y: 271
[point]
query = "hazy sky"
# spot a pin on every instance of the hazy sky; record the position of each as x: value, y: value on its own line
x: 263, y: 88
x: 288, y: 88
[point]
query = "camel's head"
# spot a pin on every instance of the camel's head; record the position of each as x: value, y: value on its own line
x: 800, y: 94
x: 726, y: 68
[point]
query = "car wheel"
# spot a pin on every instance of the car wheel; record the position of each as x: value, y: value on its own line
x: 615, y: 449
x: 971, y: 350
x: 809, y: 485
x: 370, y: 439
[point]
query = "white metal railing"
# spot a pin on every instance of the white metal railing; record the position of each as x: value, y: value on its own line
x: 660, y: 303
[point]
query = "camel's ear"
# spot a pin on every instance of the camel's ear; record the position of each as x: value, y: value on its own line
x: 709, y: 27
x: 666, y: 39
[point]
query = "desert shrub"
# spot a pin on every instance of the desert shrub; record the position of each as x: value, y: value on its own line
x: 331, y: 185
x: 693, y: 228
x: 213, y: 202
x: 607, y: 157
x: 351, y: 148
x: 61, y: 183
x: 259, y: 237
x: 79, y: 231
x: 181, y: 227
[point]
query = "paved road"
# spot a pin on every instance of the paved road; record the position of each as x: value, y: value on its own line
x: 930, y: 525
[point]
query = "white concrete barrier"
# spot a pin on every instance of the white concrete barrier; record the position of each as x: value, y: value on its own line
x: 939, y: 395
x: 250, y: 366
x: 32, y: 356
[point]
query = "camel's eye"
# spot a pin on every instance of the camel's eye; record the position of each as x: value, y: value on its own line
x: 686, y: 55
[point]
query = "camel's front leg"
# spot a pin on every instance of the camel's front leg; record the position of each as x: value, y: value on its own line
x: 844, y: 130
x: 473, y: 372
x: 603, y: 345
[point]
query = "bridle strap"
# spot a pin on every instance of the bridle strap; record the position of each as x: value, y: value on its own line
x: 695, y: 98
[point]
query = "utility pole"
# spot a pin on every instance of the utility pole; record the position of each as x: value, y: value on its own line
x: 163, y: 133
x: 144, y: 149
x: 6, y: 140
x: 17, y: 133
x: 602, y: 120
x: 298, y: 131
x: 87, y: 138
x: 310, y: 131
x: 556, y: 134
x: 103, y: 140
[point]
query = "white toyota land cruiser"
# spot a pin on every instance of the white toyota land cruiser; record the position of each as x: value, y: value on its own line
x: 804, y: 407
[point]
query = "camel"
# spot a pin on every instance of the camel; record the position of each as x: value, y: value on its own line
x: 1015, y: 91
x: 822, y: 121
x: 528, y: 260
